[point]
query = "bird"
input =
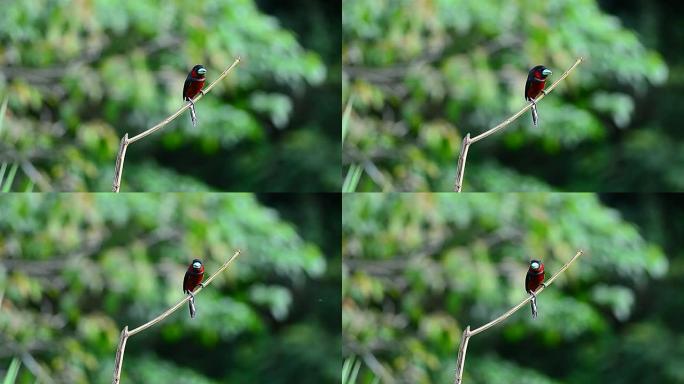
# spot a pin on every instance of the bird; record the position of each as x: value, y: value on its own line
x: 193, y: 278
x: 536, y: 79
x: 533, y: 280
x: 193, y: 86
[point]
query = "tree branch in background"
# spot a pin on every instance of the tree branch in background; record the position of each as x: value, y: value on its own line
x: 467, y: 141
x: 125, y: 141
x: 125, y: 333
x: 467, y: 333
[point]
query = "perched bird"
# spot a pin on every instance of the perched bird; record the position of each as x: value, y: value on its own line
x: 533, y: 280
x: 193, y: 278
x: 534, y: 85
x: 193, y: 85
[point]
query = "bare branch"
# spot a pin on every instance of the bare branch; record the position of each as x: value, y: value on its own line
x: 467, y: 333
x: 125, y: 333
x: 125, y: 141
x: 460, y: 169
x: 118, y: 361
x: 118, y: 168
x: 460, y: 362
x: 467, y: 141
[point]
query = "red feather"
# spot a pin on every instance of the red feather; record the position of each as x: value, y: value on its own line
x: 192, y: 87
x: 193, y: 277
x: 533, y: 280
x: 536, y: 80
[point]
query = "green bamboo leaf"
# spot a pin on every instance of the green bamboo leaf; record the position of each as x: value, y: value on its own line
x: 345, y: 118
x: 351, y: 181
x: 3, y: 109
x: 10, y: 178
x: 12, y: 372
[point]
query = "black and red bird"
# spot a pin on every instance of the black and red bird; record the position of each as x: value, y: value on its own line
x: 193, y: 277
x: 193, y: 86
x: 533, y: 280
x: 536, y: 79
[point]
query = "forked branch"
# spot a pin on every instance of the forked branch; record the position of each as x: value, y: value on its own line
x: 467, y: 333
x: 467, y: 141
x: 125, y: 333
x: 125, y: 141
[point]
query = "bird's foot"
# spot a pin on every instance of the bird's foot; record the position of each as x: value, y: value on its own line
x: 201, y: 285
x: 202, y: 92
x: 544, y: 92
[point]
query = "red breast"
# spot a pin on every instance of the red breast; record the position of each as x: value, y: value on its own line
x: 193, y: 276
x: 535, y: 276
x: 194, y: 87
x: 535, y: 88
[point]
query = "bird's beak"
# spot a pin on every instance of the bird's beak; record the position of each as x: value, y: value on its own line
x: 202, y: 71
x: 196, y: 265
x: 546, y: 72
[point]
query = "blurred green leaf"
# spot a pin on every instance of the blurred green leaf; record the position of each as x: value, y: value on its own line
x: 425, y: 74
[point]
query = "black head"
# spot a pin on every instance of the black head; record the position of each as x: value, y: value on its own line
x: 196, y: 264
x: 199, y: 70
x: 535, y: 265
x: 540, y: 72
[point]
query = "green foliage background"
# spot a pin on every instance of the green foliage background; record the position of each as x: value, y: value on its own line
x: 422, y: 74
x: 79, y: 74
x: 76, y: 268
x: 418, y: 268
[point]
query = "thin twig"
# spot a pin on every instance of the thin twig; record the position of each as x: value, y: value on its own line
x: 377, y: 368
x: 467, y: 141
x: 125, y: 141
x: 125, y: 333
x: 118, y: 361
x: 118, y: 168
x: 35, y: 368
x: 460, y: 169
x: 467, y: 333
x: 35, y: 176
x: 460, y: 361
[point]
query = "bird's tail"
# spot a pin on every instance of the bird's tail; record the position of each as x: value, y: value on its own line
x: 193, y: 114
x: 535, y: 115
x: 191, y: 305
x: 533, y: 303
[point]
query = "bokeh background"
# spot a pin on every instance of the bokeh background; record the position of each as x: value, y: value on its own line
x: 76, y: 268
x: 75, y: 75
x: 418, y: 75
x: 419, y: 268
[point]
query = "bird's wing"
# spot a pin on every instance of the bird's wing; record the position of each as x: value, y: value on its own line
x: 527, y: 86
x: 185, y: 281
x: 185, y: 86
